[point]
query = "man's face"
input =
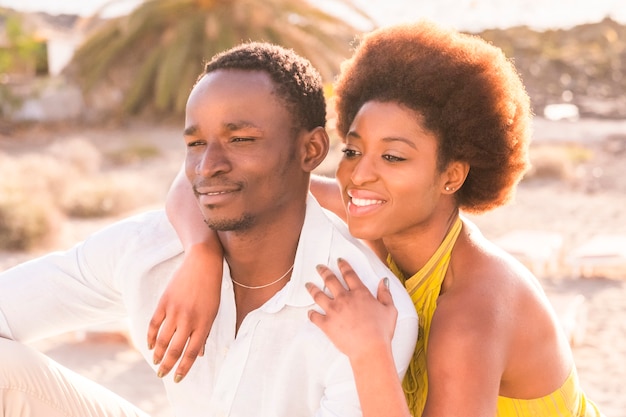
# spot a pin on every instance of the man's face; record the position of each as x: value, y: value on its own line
x: 242, y: 157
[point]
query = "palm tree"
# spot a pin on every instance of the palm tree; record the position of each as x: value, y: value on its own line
x: 155, y: 53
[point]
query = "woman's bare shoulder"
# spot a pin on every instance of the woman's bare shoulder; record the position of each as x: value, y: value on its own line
x: 486, y: 280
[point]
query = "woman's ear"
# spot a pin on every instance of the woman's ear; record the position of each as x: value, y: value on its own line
x: 315, y: 145
x: 454, y: 176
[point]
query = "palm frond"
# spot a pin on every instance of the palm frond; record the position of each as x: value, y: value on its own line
x: 162, y: 44
x: 139, y: 92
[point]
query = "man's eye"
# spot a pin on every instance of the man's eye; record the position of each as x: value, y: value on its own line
x: 195, y: 143
x: 242, y: 139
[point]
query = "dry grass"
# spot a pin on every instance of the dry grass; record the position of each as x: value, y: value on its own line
x: 557, y: 161
x: 100, y: 196
x: 64, y: 179
x: 132, y: 153
x: 24, y: 222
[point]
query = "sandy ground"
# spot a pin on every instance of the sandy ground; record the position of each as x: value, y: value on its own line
x: 592, y: 202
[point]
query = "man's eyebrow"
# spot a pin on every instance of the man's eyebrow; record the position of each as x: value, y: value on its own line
x: 231, y: 127
x: 243, y: 124
x: 191, y: 130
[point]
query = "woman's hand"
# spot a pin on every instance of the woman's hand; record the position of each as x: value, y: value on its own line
x: 357, y: 323
x: 186, y: 311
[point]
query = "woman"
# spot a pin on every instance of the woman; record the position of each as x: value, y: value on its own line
x: 434, y: 122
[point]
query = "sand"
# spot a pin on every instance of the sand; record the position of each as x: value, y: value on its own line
x: 576, y: 209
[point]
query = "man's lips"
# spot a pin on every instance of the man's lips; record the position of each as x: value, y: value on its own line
x: 214, y: 192
x: 211, y: 195
x: 215, y: 189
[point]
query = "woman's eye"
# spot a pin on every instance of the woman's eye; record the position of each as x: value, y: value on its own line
x: 393, y: 158
x: 349, y: 153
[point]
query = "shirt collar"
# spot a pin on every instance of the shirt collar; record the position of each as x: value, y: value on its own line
x: 314, y: 248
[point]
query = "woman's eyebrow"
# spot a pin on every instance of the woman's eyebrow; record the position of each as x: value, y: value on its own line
x: 400, y: 139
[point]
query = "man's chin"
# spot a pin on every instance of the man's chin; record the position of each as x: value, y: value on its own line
x: 229, y: 224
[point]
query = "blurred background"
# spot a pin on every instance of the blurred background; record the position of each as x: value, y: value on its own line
x: 92, y: 94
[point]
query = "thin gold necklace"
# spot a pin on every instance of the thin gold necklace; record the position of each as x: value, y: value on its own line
x: 261, y: 286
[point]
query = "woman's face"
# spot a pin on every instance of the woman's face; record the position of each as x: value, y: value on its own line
x: 388, y: 175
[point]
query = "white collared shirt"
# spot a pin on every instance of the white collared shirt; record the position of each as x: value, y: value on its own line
x: 279, y: 363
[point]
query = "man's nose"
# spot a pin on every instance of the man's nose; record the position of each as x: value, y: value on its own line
x: 214, y: 161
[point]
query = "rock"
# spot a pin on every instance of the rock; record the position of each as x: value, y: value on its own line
x: 584, y: 64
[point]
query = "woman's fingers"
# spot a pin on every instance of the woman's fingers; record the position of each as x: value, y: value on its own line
x: 352, y: 279
x: 194, y: 348
x: 384, y: 294
x: 335, y: 287
x: 155, y: 324
x: 320, y: 298
x: 353, y: 319
x: 163, y: 339
x: 174, y: 349
x: 330, y: 280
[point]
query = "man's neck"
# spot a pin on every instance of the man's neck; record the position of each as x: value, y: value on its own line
x: 259, y: 256
x: 263, y: 251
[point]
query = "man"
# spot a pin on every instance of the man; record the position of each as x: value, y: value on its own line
x: 254, y: 132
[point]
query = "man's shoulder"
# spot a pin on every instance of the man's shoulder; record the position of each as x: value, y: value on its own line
x: 370, y: 268
x: 342, y: 239
x: 150, y: 230
x: 150, y: 221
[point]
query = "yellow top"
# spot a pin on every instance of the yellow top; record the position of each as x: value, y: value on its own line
x: 424, y: 288
x: 567, y: 401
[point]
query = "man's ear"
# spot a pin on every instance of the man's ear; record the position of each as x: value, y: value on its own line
x: 315, y: 145
x: 455, y: 175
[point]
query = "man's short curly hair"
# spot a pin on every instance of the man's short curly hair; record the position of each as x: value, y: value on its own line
x: 296, y: 81
x: 467, y: 92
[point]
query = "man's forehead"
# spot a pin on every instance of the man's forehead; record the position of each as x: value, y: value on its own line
x: 233, y: 126
x: 238, y: 78
x: 235, y: 100
x: 232, y: 86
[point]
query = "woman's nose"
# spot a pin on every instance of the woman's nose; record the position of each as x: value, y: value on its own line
x: 363, y: 171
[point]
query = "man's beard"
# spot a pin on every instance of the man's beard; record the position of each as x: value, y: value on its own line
x: 230, y: 225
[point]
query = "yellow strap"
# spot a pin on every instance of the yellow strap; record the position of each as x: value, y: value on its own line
x: 424, y: 288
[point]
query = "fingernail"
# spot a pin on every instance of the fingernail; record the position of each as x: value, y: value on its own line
x: 319, y: 267
x: 150, y: 346
x: 160, y: 374
x: 156, y: 361
x: 340, y: 260
x: 307, y: 285
x: 178, y: 378
x: 386, y: 282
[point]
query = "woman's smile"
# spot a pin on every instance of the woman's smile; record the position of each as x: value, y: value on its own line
x: 361, y: 203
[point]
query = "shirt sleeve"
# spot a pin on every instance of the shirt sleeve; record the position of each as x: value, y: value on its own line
x: 403, y: 343
x: 66, y: 291
x: 340, y: 398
